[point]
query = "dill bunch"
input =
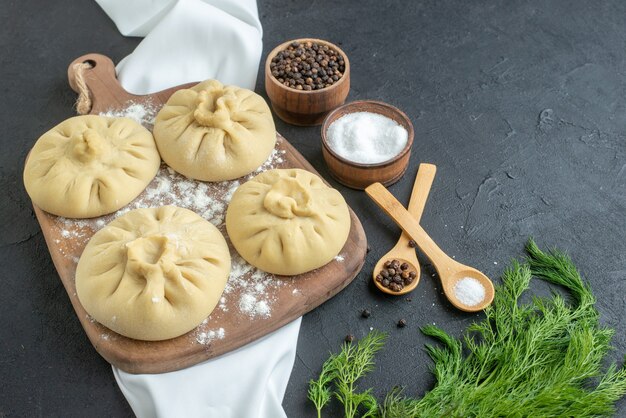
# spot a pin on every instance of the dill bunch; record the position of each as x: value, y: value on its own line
x: 539, y: 359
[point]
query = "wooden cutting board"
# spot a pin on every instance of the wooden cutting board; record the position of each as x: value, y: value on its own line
x: 279, y: 300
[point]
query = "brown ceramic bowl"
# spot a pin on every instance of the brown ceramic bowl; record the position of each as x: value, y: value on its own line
x: 359, y: 175
x: 301, y: 107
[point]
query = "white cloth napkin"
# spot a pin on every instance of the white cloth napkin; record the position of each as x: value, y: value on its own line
x: 186, y: 41
x: 247, y: 383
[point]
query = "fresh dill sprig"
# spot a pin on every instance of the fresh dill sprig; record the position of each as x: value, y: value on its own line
x: 343, y: 370
x: 541, y: 359
x: 319, y: 390
x: 353, y: 363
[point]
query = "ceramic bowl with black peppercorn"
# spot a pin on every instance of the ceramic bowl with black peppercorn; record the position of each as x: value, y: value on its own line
x: 305, y: 79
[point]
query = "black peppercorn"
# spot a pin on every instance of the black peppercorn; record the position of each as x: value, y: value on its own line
x: 412, y: 244
x: 395, y: 275
x: 402, y: 323
x: 308, y: 59
x: 349, y: 338
x: 365, y: 313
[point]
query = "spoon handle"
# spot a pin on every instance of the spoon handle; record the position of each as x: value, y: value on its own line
x: 383, y: 198
x: 421, y: 188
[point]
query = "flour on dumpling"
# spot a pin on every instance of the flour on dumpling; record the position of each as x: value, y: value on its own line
x: 153, y: 274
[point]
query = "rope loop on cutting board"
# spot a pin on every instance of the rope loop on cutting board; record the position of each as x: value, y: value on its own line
x: 83, y: 102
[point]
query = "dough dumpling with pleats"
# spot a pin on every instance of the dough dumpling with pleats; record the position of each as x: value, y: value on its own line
x: 89, y: 166
x: 213, y: 132
x: 287, y: 221
x: 153, y: 274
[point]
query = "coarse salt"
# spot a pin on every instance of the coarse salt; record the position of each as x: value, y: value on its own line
x: 469, y: 291
x: 366, y: 138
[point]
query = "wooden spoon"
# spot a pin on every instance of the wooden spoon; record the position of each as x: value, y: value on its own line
x: 450, y: 271
x: 402, y: 252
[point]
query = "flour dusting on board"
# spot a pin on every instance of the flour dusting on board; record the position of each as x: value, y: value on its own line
x: 204, y: 336
x: 248, y: 290
x: 142, y: 113
x: 254, y: 286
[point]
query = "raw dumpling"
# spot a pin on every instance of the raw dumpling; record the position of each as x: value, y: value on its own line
x: 287, y: 221
x: 153, y: 274
x: 213, y: 132
x: 90, y: 165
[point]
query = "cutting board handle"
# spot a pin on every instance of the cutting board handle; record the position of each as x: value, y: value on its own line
x: 105, y: 90
x: 101, y: 81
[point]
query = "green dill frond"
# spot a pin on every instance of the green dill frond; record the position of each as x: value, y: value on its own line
x: 354, y: 362
x: 319, y: 390
x: 539, y: 359
x: 342, y: 370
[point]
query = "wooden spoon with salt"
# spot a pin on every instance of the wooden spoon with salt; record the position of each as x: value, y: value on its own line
x: 451, y: 272
x: 402, y: 251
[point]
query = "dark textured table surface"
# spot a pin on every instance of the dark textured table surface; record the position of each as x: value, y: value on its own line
x: 521, y: 105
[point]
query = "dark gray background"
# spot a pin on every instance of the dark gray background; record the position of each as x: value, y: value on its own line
x: 520, y: 104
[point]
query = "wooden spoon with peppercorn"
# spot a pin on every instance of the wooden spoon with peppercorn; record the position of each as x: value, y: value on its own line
x: 398, y: 271
x: 465, y: 287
